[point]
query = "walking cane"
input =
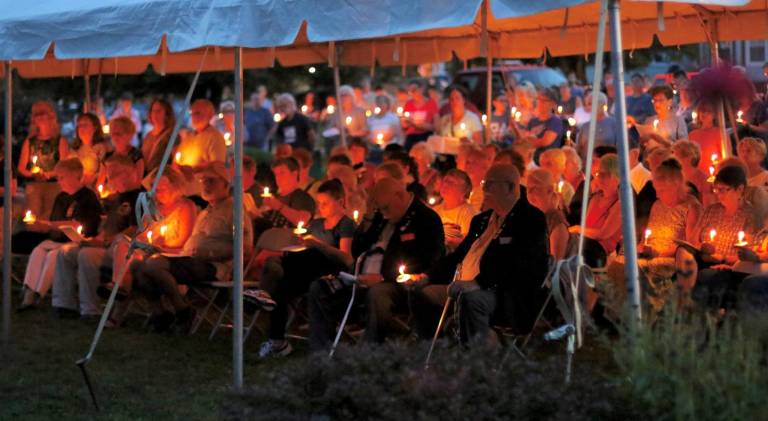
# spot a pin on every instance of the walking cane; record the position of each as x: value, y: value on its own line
x: 358, y: 264
x: 442, y: 319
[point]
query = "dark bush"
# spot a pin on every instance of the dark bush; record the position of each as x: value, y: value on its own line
x: 390, y: 383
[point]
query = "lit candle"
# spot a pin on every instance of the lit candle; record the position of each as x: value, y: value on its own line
x: 368, y: 113
x: 484, y: 118
x: 568, y: 135
x: 163, y: 230
x: 79, y: 230
x: 403, y: 277
x: 105, y: 128
x: 560, y: 185
x: 221, y: 115
x: 739, y: 115
x: 356, y: 215
x: 227, y: 140
x: 605, y: 108
x: 103, y: 193
x: 694, y: 115
x: 571, y: 121
x: 741, y: 242
x: 300, y: 230
x: 711, y: 178
x: 277, y: 117
x: 304, y: 108
x: 29, y: 218
x: 149, y: 236
x: 513, y: 111
x: 463, y: 126
x: 432, y: 201
x: 655, y: 125
x: 177, y: 158
x: 330, y: 109
x: 266, y: 192
x: 647, y: 236
x: 400, y: 111
x: 348, y: 120
x: 380, y: 138
x: 35, y: 168
x: 518, y: 116
x: 712, y: 234
x: 407, y: 114
x: 377, y: 110
x: 559, y: 109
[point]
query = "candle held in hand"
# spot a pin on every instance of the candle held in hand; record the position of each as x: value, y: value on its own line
x: 741, y: 242
x: 163, y: 230
x: 79, y: 230
x: 29, y: 218
x: 266, y: 192
x: 403, y: 277
x: 712, y: 235
x: 356, y: 215
x: 300, y: 230
x: 647, y: 236
x: 330, y: 109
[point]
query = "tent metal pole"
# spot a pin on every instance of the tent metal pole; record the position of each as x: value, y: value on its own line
x: 627, y: 202
x: 486, y: 42
x: 336, y: 85
x: 725, y: 144
x: 237, y: 292
x: 7, y: 203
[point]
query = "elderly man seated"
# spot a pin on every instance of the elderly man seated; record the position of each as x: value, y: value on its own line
x: 204, y: 144
x: 79, y: 265
x: 404, y: 232
x: 206, y: 256
x: 501, y: 265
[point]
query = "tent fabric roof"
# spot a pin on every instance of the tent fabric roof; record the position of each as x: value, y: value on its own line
x: 125, y: 36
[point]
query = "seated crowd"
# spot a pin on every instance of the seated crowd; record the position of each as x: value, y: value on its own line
x: 416, y: 227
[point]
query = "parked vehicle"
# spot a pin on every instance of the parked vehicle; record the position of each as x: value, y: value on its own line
x: 474, y: 79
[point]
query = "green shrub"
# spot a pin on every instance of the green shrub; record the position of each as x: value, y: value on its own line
x: 687, y: 368
x: 389, y: 382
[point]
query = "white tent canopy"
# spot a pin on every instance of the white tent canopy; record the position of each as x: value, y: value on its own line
x: 125, y: 37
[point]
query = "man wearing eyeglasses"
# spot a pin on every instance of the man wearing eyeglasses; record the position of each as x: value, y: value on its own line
x: 503, y: 261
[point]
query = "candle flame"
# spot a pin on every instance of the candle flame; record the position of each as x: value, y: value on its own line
x: 432, y: 201
x: 330, y: 109
x: 266, y: 192
x: 79, y: 230
x: 655, y: 124
x: 304, y: 108
x: 560, y: 185
x: 348, y: 120
x: 463, y: 126
x: 571, y: 121
x: 484, y: 118
x: 355, y: 215
x: 401, y: 269
x: 377, y: 110
x: 177, y: 157
x: 149, y: 236
x: 163, y: 230
x: 105, y: 128
x: 712, y: 234
x: 407, y: 114
x: 399, y: 110
x: 741, y: 236
x: 559, y: 109
x: 277, y: 117
x: 29, y: 217
x: 368, y: 113
x: 694, y: 115
x: 518, y: 115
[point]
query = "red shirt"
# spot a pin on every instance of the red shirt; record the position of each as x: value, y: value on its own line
x: 709, y: 142
x: 419, y: 114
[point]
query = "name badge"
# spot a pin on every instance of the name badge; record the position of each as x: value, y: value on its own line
x: 505, y: 240
x: 408, y: 237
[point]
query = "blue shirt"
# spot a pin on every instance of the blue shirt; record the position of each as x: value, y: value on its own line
x: 538, y: 128
x: 640, y: 107
x: 258, y: 122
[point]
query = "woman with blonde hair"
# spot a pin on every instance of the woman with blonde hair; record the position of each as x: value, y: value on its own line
x: 40, y: 153
x: 542, y: 195
x: 752, y: 151
x: 423, y: 156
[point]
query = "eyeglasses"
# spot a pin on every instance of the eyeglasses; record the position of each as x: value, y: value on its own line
x: 488, y: 184
x: 723, y: 189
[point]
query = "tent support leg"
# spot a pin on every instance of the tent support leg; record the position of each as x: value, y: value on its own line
x: 7, y: 203
x: 237, y: 292
x: 627, y: 202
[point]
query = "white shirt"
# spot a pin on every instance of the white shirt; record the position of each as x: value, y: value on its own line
x: 471, y: 123
x: 638, y: 176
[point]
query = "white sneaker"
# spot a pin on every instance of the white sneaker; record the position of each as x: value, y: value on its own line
x: 260, y: 298
x: 270, y: 349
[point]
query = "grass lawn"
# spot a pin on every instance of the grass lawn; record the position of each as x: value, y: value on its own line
x: 140, y: 375
x: 137, y: 375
